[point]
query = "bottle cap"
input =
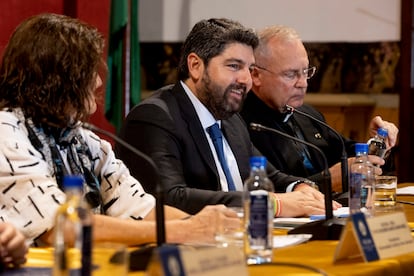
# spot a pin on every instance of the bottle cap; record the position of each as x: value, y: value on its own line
x: 258, y: 161
x: 382, y: 132
x: 73, y: 181
x: 361, y: 147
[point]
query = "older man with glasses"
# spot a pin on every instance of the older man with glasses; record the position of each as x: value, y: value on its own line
x: 280, y: 79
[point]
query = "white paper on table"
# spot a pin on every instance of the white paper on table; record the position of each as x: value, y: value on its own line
x: 405, y: 190
x: 288, y: 223
x: 288, y: 240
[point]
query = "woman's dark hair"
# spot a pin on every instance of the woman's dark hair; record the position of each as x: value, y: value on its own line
x: 208, y: 38
x: 49, y: 69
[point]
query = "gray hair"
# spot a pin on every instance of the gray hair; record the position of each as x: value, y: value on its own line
x: 279, y: 32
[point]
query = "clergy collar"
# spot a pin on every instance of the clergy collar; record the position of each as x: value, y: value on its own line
x: 268, y: 111
x: 287, y: 115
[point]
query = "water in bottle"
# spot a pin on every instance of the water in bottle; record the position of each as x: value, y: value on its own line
x: 361, y: 184
x: 258, y: 204
x: 377, y: 144
x: 73, y: 232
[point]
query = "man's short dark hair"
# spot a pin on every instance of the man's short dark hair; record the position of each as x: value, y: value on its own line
x: 208, y: 38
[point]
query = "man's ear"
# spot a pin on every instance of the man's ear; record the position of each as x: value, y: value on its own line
x: 255, y: 76
x: 195, y: 66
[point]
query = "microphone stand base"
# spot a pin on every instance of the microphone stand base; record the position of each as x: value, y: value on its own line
x: 139, y: 258
x: 330, y: 229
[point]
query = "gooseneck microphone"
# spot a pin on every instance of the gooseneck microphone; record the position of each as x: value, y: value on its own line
x: 329, y: 228
x: 139, y: 258
x: 160, y: 218
x: 327, y: 176
x: 344, y: 156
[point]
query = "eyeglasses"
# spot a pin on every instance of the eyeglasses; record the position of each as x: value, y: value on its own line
x: 291, y: 75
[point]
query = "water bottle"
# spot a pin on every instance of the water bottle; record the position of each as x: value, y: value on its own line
x: 73, y: 232
x: 258, y: 210
x: 377, y: 144
x: 361, y: 184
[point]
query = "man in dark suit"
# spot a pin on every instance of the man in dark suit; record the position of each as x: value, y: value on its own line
x: 279, y: 79
x: 172, y: 127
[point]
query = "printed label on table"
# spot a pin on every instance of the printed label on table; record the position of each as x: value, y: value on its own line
x: 391, y: 234
x: 208, y: 261
x: 376, y: 237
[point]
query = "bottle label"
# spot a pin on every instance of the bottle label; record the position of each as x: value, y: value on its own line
x: 258, y: 224
x: 355, y: 185
x: 376, y: 147
x: 86, y: 250
x: 359, y: 192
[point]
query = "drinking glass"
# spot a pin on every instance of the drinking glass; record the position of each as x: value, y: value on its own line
x: 385, y: 191
x: 230, y: 236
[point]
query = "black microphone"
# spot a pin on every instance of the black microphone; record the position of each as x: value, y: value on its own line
x: 140, y: 257
x: 344, y: 156
x: 329, y: 228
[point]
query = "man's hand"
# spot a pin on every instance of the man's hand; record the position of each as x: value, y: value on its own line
x: 336, y: 176
x: 303, y: 201
x: 376, y: 123
x: 202, y: 227
x: 336, y: 171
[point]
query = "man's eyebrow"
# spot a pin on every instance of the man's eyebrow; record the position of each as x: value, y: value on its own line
x: 237, y: 60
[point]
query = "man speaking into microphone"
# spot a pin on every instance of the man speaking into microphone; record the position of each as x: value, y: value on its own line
x: 280, y: 79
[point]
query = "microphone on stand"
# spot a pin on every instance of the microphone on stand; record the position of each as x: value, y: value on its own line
x: 329, y: 228
x: 140, y: 257
x: 344, y: 156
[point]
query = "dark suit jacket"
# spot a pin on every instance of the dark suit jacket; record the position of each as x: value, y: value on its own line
x: 285, y: 154
x: 166, y: 127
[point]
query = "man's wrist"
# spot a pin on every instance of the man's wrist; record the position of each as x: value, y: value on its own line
x: 307, y: 182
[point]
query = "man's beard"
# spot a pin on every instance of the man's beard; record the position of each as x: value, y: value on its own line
x: 219, y: 104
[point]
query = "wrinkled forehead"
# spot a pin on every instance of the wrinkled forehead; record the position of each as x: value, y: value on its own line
x: 289, y: 54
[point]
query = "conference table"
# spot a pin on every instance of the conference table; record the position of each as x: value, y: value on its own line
x: 314, y: 257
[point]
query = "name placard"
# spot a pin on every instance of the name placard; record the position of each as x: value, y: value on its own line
x: 375, y: 238
x: 206, y: 261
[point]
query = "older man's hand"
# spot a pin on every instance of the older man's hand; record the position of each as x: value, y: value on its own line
x: 378, y: 122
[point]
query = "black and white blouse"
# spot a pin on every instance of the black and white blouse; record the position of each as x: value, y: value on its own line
x: 29, y: 193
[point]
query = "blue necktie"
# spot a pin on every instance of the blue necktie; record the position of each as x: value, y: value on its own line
x: 216, y: 135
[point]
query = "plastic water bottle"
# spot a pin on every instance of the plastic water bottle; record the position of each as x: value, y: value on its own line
x: 73, y: 232
x: 361, y: 184
x: 377, y: 144
x: 258, y: 210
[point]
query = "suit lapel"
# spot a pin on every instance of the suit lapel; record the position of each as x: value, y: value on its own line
x: 194, y: 127
x: 241, y: 148
x: 311, y: 134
